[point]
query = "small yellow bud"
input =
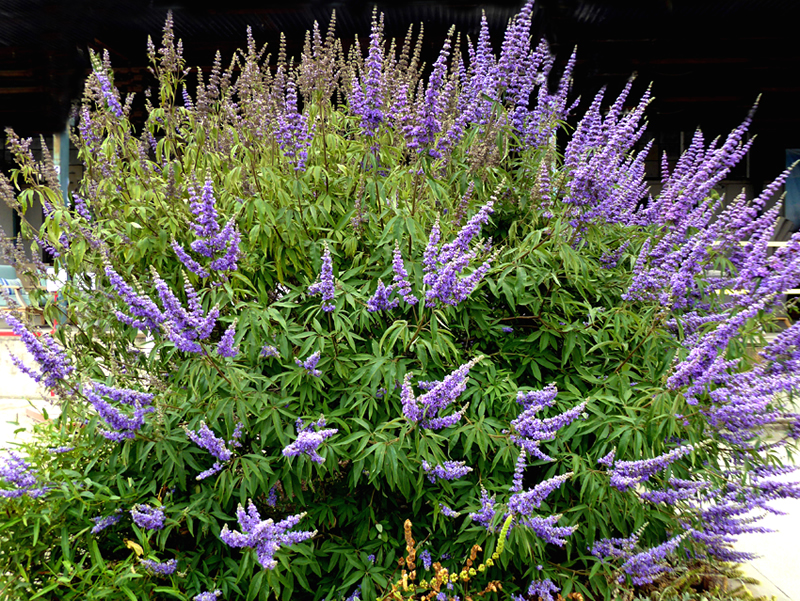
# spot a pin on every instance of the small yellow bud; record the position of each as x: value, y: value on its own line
x: 489, y: 562
x: 472, y: 572
x: 482, y: 567
x: 423, y: 583
x: 464, y: 576
x: 453, y: 577
x: 496, y: 555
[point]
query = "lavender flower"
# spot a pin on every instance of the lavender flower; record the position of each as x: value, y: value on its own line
x: 325, y: 284
x: 272, y: 497
x: 523, y: 503
x: 166, y: 568
x: 151, y: 518
x: 485, y: 516
x: 380, y: 300
x: 308, y: 441
x: 541, y: 589
x: 225, y: 347
x: 645, y: 567
x: 103, y: 522
x: 265, y: 536
x: 451, y: 470
x: 507, y: 329
x: 426, y: 559
x: 425, y: 409
x: 519, y: 471
x: 205, y: 439
x: 310, y: 365
x: 626, y: 474
x: 448, y: 512
x: 17, y: 472
x: 54, y: 365
x: 59, y: 450
x: 207, y: 596
x: 401, y: 277
x: 269, y: 350
x: 121, y: 427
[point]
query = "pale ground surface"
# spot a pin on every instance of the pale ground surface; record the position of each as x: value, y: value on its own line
x: 778, y: 570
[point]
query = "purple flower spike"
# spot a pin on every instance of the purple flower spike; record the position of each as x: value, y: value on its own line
x: 440, y: 395
x: 207, y: 596
x: 151, y: 518
x: 54, y: 365
x: 205, y: 439
x: 325, y: 284
x: 17, y: 472
x: 225, y: 347
x: 451, y: 470
x: 308, y: 441
x: 310, y: 365
x: 166, y: 568
x: 265, y: 536
x: 101, y: 522
x: 269, y: 350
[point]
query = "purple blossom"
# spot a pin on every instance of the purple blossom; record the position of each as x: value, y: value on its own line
x: 325, y: 284
x: 17, y: 472
x: 448, y: 512
x: 151, y: 518
x: 519, y: 471
x: 380, y: 300
x: 269, y: 350
x: 530, y: 431
x: 166, y: 568
x: 310, y: 364
x: 507, y: 329
x: 523, y: 503
x: 308, y: 440
x: 205, y: 439
x: 120, y: 426
x: 103, y: 522
x: 546, y: 529
x: 443, y: 266
x: 450, y: 470
x: 626, y: 474
x: 425, y: 409
x: 207, y: 596
x: 59, y: 450
x: 401, y: 276
x: 543, y: 590
x: 54, y: 365
x: 272, y: 497
x: 426, y: 559
x: 646, y: 566
x: 485, y: 516
x: 293, y: 134
x: 110, y: 94
x: 266, y: 536
x: 225, y: 347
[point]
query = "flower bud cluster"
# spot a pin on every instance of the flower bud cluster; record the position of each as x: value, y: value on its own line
x: 265, y: 536
x: 309, y: 438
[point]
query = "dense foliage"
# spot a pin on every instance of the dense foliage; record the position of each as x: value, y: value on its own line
x: 361, y: 306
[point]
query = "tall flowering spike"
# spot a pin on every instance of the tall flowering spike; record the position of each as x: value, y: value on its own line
x: 626, y: 474
x: 443, y: 266
x: 449, y: 470
x: 401, y: 276
x: 325, y: 285
x: 426, y: 409
x: 151, y: 518
x: 54, y: 365
x: 293, y: 134
x: 265, y: 536
x: 109, y: 93
x: 523, y: 503
x: 485, y: 516
x: 519, y: 471
x: 310, y: 364
x: 380, y: 301
x: 530, y: 431
x: 120, y: 426
x: 309, y: 438
x: 225, y: 347
x: 205, y: 439
x: 159, y: 568
x: 19, y: 474
x: 646, y: 566
x: 103, y: 522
